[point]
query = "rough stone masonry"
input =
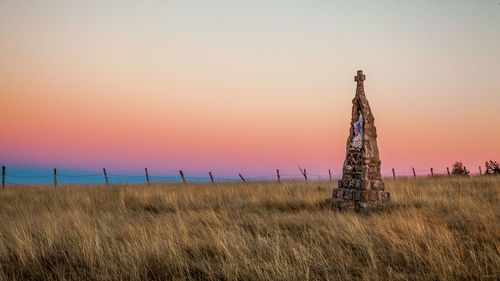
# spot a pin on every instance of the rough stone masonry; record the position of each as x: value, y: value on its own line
x: 361, y: 185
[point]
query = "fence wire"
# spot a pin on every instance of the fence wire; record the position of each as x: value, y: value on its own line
x: 96, y: 178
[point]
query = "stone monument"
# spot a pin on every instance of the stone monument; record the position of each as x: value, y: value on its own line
x: 361, y: 185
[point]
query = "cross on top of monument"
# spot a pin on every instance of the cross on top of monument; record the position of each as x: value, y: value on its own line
x: 360, y: 77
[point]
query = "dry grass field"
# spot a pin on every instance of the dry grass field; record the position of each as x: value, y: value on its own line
x: 436, y: 229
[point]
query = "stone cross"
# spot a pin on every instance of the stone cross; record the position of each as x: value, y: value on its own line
x: 360, y: 77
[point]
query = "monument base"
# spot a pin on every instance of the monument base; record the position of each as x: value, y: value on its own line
x: 359, y: 200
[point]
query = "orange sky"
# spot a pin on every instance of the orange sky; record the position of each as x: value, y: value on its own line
x: 234, y: 86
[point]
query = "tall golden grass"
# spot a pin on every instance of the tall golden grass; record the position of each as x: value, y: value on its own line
x: 436, y: 229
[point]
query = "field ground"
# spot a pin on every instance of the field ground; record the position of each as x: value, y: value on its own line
x: 437, y: 229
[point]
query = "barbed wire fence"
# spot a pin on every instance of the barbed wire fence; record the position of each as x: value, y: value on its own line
x: 147, y: 178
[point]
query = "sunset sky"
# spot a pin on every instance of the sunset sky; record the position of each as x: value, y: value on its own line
x: 246, y: 86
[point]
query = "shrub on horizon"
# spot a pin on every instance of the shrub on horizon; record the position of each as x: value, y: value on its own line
x: 459, y: 169
x: 492, y: 168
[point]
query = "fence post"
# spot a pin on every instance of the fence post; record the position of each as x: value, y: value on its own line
x: 480, y: 172
x: 330, y: 174
x: 182, y: 176
x: 448, y: 170
x: 105, y: 176
x: 55, y: 177
x: 147, y: 175
x: 304, y: 173
x: 432, y: 172
x: 211, y: 177
x: 3, y: 177
x: 241, y: 177
x: 414, y: 175
x: 278, y: 175
x: 393, y: 174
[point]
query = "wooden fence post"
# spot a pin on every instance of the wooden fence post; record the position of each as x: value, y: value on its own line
x: 480, y: 172
x: 3, y: 177
x: 105, y: 176
x: 241, y: 177
x: 330, y: 174
x: 448, y: 170
x: 304, y: 173
x: 393, y: 174
x: 414, y: 175
x: 278, y: 175
x: 182, y: 176
x: 147, y: 175
x: 55, y: 177
x: 211, y: 177
x: 432, y: 172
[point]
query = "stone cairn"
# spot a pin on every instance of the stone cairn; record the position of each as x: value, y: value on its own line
x: 361, y: 185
